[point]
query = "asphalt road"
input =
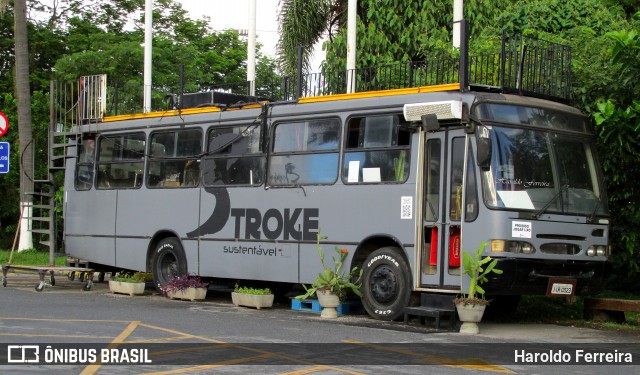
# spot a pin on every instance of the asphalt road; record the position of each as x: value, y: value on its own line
x: 68, y: 324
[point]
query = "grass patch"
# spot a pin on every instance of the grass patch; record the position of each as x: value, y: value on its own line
x: 30, y: 258
x: 553, y: 310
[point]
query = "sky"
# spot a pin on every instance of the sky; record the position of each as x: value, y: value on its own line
x: 234, y: 14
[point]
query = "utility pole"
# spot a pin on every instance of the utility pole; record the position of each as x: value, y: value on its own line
x: 251, y: 49
x: 458, y: 7
x: 148, y: 41
x: 351, y: 45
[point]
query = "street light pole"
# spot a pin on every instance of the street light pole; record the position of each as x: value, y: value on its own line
x: 148, y: 41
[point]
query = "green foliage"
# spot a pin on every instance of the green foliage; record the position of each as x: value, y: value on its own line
x: 29, y: 258
x: 406, y: 30
x: 137, y: 277
x: 477, y: 268
x: 618, y: 124
x: 334, y: 280
x: 254, y: 291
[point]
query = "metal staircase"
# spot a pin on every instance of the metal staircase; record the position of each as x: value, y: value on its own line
x: 72, y: 105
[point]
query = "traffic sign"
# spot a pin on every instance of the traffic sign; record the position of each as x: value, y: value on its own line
x: 4, y: 124
x: 4, y: 157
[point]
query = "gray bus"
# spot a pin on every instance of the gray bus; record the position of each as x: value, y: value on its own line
x: 405, y: 180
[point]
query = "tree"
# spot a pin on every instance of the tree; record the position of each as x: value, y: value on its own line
x: 618, y: 123
x: 302, y: 23
x: 23, y: 93
x: 387, y: 30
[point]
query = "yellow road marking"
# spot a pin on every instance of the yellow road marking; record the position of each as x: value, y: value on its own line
x: 162, y: 339
x: 320, y: 368
x: 68, y: 320
x: 215, y: 365
x: 469, y: 364
x: 46, y: 335
x: 92, y: 369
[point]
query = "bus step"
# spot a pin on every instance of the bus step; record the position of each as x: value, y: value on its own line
x: 312, y: 305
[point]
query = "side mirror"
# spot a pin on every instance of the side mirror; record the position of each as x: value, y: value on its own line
x: 483, y: 157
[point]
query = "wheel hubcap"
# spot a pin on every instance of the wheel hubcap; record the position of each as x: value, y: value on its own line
x: 168, y: 267
x: 383, y: 284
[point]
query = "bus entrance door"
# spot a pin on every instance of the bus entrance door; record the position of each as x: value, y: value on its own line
x: 440, y: 255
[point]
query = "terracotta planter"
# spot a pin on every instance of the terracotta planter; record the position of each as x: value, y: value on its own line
x: 252, y: 300
x: 191, y: 294
x: 329, y: 302
x: 470, y: 315
x: 126, y: 288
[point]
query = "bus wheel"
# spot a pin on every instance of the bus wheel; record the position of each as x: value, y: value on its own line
x: 386, y: 284
x: 168, y: 261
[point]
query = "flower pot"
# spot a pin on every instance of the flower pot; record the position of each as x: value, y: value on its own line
x: 252, y: 300
x: 470, y: 315
x: 126, y: 288
x: 191, y: 294
x: 329, y: 302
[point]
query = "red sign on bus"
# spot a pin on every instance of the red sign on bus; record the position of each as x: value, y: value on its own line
x: 4, y: 124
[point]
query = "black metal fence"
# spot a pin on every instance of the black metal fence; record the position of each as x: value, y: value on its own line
x: 524, y: 65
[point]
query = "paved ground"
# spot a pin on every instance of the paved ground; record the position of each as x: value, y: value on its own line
x: 233, y: 339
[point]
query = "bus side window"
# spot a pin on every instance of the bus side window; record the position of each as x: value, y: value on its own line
x: 376, y: 150
x: 174, y: 159
x: 85, y: 164
x: 121, y: 161
x: 305, y: 153
x: 457, y: 165
x: 471, y: 194
x: 234, y: 157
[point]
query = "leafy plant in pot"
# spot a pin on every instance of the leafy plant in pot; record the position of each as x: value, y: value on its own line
x: 252, y: 297
x: 127, y: 283
x: 189, y: 287
x: 471, y: 306
x: 333, y: 284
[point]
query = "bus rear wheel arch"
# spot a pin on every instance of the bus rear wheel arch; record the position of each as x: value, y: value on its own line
x: 167, y: 261
x: 386, y: 283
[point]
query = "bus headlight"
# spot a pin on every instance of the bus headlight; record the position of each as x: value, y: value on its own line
x: 514, y: 247
x: 601, y: 251
x: 591, y: 251
x: 527, y: 248
x: 519, y: 247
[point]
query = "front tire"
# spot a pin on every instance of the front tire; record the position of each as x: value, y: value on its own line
x: 168, y: 261
x: 386, y: 284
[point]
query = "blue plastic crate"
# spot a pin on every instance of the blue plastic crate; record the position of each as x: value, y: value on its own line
x: 312, y: 305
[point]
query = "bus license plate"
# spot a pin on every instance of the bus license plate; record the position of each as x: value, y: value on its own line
x: 561, y: 288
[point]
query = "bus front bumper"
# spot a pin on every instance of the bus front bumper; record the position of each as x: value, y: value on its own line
x: 528, y: 276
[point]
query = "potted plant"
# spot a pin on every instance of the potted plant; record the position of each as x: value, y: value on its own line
x: 333, y: 284
x: 188, y: 287
x: 471, y: 306
x: 252, y: 297
x: 127, y: 283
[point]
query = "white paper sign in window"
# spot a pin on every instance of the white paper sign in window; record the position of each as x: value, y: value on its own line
x: 371, y: 175
x: 521, y: 229
x: 354, y: 171
x: 516, y: 199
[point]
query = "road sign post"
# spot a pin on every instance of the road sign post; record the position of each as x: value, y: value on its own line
x: 4, y: 157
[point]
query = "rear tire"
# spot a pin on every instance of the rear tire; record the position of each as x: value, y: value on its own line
x: 168, y: 261
x: 386, y: 284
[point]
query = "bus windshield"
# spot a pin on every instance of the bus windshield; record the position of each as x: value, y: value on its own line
x: 544, y: 172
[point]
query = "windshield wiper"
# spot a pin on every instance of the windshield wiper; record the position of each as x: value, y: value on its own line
x: 595, y: 209
x: 544, y: 208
